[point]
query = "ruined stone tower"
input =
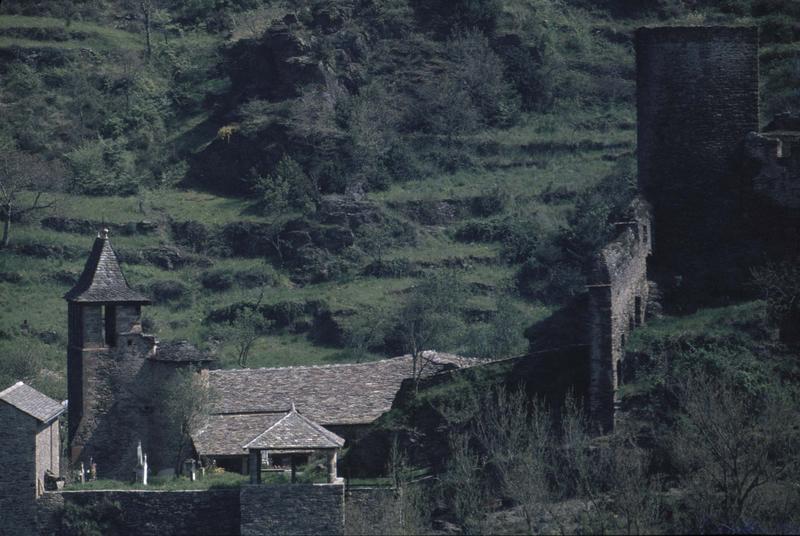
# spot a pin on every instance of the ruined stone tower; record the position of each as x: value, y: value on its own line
x: 105, y: 356
x: 697, y: 98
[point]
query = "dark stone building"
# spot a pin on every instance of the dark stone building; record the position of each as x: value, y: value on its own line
x: 31, y: 447
x: 697, y: 98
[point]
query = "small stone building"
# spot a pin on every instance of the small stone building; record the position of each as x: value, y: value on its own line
x: 294, y: 437
x: 31, y: 446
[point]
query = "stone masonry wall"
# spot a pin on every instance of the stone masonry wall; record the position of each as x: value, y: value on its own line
x: 618, y: 293
x: 48, y: 450
x: 292, y: 509
x: 18, y: 477
x: 115, y: 393
x: 152, y: 513
x: 697, y: 98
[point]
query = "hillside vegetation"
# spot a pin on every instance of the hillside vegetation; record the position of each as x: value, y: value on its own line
x: 317, y: 161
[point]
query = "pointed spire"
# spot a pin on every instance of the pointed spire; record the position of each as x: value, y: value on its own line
x: 102, y: 280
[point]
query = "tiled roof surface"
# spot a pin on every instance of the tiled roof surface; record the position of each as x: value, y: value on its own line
x: 102, y: 279
x: 27, y: 399
x: 226, y: 435
x: 179, y: 352
x: 355, y: 393
x: 295, y: 431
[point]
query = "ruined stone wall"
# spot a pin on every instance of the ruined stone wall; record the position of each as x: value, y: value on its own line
x: 697, y: 98
x: 151, y: 513
x: 18, y: 474
x: 292, y: 509
x: 618, y: 292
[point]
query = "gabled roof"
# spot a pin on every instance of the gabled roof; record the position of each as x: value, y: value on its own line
x: 102, y: 279
x: 226, y: 435
x: 355, y: 393
x: 28, y: 400
x: 295, y: 431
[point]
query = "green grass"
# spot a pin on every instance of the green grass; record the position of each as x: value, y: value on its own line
x: 730, y: 324
x: 101, y: 38
x: 572, y: 169
x: 209, y: 209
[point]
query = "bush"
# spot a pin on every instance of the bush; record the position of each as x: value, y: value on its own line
x: 286, y: 187
x: 218, y: 280
x: 168, y: 291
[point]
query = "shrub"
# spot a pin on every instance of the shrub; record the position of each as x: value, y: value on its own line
x: 217, y: 279
x: 286, y: 187
x: 168, y: 290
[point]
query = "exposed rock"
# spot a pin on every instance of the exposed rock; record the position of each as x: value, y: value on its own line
x: 90, y: 227
x: 48, y: 251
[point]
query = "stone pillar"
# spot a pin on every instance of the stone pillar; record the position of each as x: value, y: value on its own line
x: 254, y: 462
x: 332, y: 463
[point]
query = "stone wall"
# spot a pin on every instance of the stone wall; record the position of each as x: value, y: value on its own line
x: 18, y: 476
x: 618, y: 293
x: 292, y: 509
x: 115, y: 391
x: 697, y: 98
x: 151, y: 513
x: 48, y: 451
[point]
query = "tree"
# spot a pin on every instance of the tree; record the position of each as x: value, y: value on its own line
x: 364, y: 332
x: 20, y: 172
x: 243, y: 331
x: 731, y: 444
x: 431, y: 319
x: 517, y: 438
x: 185, y: 400
x: 464, y: 485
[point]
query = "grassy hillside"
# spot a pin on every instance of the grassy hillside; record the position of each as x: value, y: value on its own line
x: 499, y: 187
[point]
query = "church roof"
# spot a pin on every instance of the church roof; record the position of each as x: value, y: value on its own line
x: 28, y: 400
x: 354, y: 393
x: 295, y: 431
x: 226, y: 435
x: 102, y: 279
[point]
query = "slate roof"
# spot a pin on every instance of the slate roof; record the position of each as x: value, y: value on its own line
x: 102, y: 279
x: 28, y: 400
x: 295, y: 431
x: 226, y: 435
x: 179, y: 352
x: 356, y: 393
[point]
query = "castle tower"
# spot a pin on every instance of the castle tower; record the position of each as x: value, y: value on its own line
x: 106, y: 351
x: 697, y: 98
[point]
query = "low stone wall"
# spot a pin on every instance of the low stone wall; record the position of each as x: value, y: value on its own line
x: 292, y: 509
x: 156, y: 513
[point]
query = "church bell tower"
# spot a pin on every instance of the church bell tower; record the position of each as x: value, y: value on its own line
x: 105, y: 348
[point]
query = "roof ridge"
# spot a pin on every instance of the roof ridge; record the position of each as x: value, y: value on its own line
x: 295, y: 367
x: 268, y: 429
